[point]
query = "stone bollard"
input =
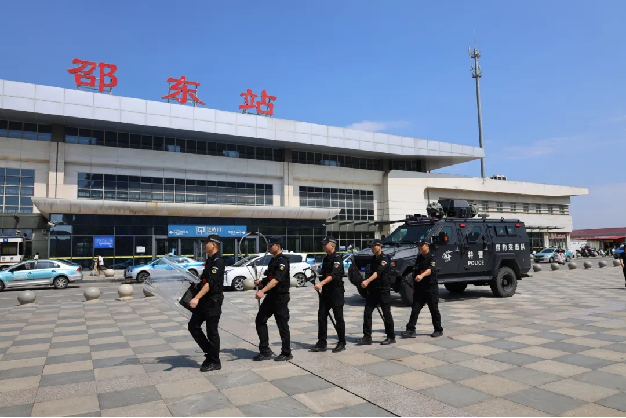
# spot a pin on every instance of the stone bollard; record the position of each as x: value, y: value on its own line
x: 91, y: 294
x: 572, y: 266
x: 147, y: 293
x: 125, y: 292
x: 587, y: 264
x: 601, y: 264
x: 554, y: 266
x: 26, y: 297
x: 248, y: 284
x: 616, y: 263
x: 536, y: 268
x: 109, y: 273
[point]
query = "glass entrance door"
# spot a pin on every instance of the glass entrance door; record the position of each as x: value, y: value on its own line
x: 165, y: 246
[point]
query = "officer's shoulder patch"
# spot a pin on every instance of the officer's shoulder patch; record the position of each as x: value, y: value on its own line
x: 281, y: 267
x: 432, y: 263
x: 383, y: 263
x: 336, y: 263
x: 214, y: 270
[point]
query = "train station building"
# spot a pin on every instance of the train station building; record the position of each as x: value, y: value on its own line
x: 86, y: 173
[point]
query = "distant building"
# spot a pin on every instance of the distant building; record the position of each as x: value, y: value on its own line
x: 603, y: 238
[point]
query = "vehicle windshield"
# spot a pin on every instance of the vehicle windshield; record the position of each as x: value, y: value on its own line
x: 244, y: 260
x: 547, y: 251
x: 408, y: 234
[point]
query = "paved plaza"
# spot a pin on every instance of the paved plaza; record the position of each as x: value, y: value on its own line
x: 558, y: 347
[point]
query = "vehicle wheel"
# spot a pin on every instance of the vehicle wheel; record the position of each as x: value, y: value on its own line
x: 1, y: 285
x: 60, y: 282
x: 406, y: 289
x: 504, y: 283
x: 455, y: 287
x: 194, y: 272
x: 142, y: 276
x: 551, y: 260
x: 237, y: 284
x: 301, y: 279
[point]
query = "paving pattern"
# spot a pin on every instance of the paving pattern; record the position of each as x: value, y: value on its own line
x: 558, y: 347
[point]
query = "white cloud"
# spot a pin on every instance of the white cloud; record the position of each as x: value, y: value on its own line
x: 603, y: 207
x: 374, y: 126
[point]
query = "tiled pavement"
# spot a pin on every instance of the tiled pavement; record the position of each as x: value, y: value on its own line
x: 558, y: 347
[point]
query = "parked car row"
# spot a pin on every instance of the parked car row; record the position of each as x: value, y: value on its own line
x: 235, y: 275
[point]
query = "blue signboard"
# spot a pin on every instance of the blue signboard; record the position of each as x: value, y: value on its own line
x: 103, y: 242
x: 203, y: 231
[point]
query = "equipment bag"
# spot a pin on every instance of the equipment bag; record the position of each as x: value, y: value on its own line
x: 189, y: 294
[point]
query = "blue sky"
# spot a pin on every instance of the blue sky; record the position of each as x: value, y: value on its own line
x: 553, y: 85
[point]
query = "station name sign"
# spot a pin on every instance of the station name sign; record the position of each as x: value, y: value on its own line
x: 180, y: 89
x: 203, y: 231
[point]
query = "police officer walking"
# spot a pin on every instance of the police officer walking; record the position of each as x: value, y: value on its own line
x: 425, y: 291
x: 275, y: 288
x: 207, y: 306
x: 378, y: 293
x: 622, y: 260
x: 331, y: 297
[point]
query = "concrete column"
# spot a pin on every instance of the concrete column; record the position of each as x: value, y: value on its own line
x: 56, y: 171
x: 568, y: 241
x: 546, y: 241
x: 288, y: 197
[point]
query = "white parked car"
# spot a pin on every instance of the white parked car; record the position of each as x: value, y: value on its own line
x: 243, y: 269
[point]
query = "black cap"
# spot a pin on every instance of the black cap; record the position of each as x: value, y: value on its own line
x: 376, y: 241
x: 329, y: 238
x: 275, y: 240
x: 422, y: 242
x: 215, y: 238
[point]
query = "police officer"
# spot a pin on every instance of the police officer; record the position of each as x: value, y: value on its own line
x: 207, y: 306
x: 275, y: 288
x: 331, y: 286
x: 425, y: 291
x: 378, y: 293
x: 622, y: 260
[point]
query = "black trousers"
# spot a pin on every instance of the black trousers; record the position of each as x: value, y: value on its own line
x: 210, y: 313
x: 382, y: 299
x: 279, y: 307
x: 423, y: 297
x: 624, y: 274
x: 335, y: 302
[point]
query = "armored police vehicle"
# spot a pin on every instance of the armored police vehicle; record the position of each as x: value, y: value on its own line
x: 467, y: 249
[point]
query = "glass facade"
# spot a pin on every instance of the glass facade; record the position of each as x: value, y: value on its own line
x: 17, y: 188
x: 160, y: 143
x: 138, y: 239
x: 167, y: 189
x: 332, y: 160
x: 404, y: 165
x: 356, y: 205
x: 24, y: 130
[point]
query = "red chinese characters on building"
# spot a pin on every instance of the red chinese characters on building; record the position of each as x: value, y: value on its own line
x: 263, y: 106
x: 180, y: 90
x: 84, y: 74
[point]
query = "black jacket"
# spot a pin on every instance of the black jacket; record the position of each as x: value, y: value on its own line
x: 382, y: 265
x: 332, y: 266
x: 423, y: 263
x: 278, y: 269
x: 213, y: 274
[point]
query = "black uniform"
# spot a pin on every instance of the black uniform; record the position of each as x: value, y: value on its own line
x: 378, y: 293
x: 623, y: 257
x: 276, y: 302
x: 426, y: 291
x: 331, y: 298
x: 209, y: 309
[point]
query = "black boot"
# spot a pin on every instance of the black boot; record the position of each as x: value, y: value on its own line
x: 408, y: 334
x: 206, y: 364
x: 318, y: 348
x: 364, y: 341
x: 263, y: 356
x: 388, y: 341
x: 341, y: 345
x: 436, y: 334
